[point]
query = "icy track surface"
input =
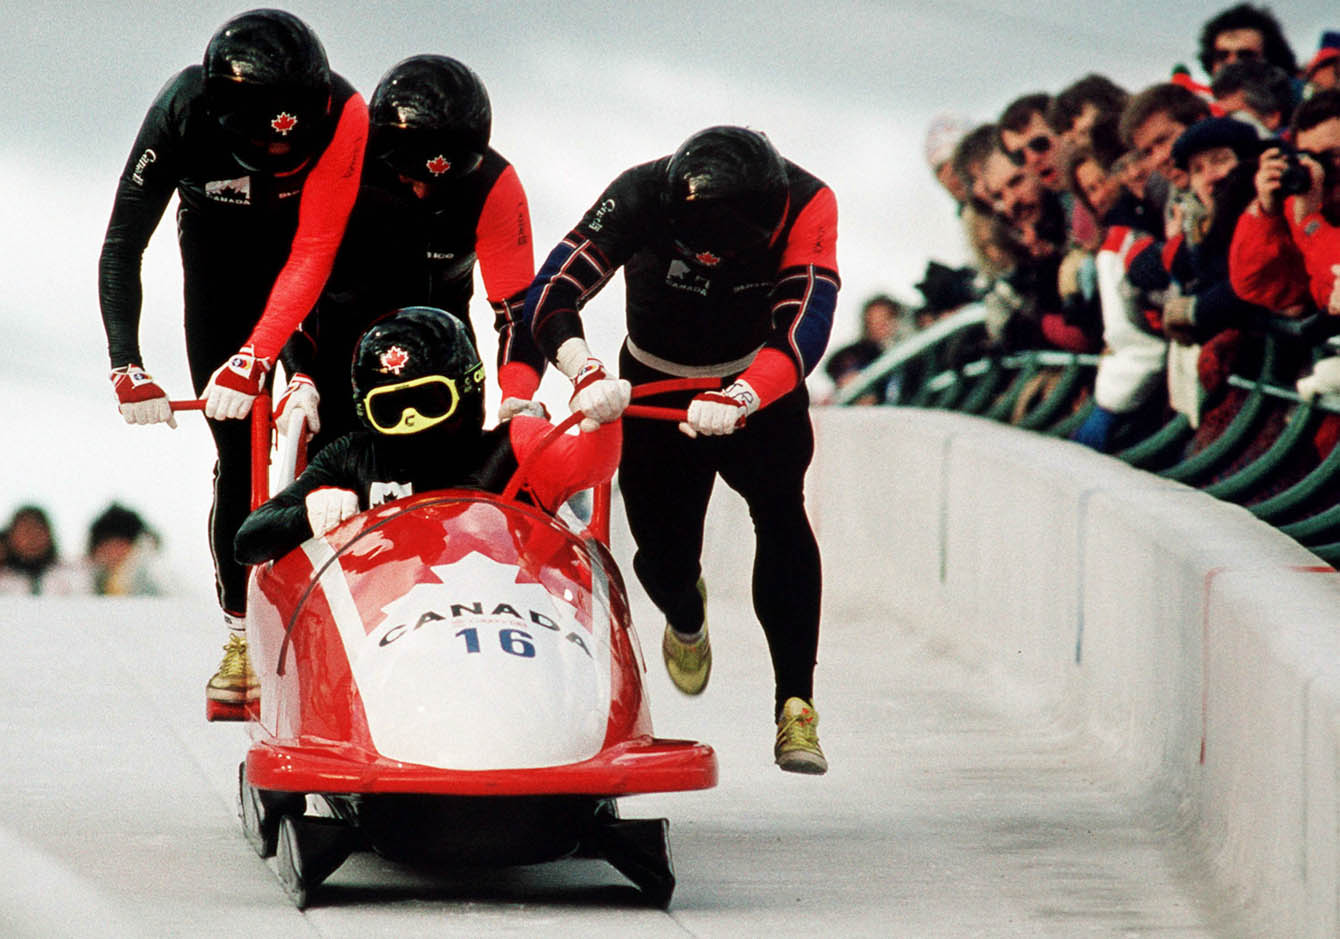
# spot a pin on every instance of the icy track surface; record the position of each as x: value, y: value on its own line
x: 948, y: 811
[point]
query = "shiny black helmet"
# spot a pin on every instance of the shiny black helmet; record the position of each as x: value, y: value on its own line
x: 430, y: 118
x: 415, y: 370
x: 267, y: 83
x: 725, y: 195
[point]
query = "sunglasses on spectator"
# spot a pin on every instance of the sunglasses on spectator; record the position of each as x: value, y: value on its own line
x: 1039, y: 145
x: 1236, y: 55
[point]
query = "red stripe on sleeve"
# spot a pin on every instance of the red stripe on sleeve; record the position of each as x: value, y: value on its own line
x: 771, y: 375
x: 502, y: 239
x: 813, y: 238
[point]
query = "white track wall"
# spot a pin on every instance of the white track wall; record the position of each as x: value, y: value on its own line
x: 1194, y: 650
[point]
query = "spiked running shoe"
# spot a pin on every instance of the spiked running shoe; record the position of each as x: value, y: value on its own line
x: 797, y: 749
x: 235, y: 682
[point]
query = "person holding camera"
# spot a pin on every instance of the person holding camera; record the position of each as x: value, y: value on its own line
x: 1286, y: 249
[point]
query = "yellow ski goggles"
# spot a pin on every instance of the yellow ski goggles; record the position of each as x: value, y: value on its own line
x: 409, y: 407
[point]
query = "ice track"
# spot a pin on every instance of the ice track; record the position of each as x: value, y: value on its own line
x: 949, y: 809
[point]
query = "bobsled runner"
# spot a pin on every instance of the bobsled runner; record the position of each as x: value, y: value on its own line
x: 453, y: 680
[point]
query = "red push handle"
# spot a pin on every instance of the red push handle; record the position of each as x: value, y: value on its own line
x: 262, y: 432
x: 601, y: 503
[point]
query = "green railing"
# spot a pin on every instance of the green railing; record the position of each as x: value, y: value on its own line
x: 1264, y: 458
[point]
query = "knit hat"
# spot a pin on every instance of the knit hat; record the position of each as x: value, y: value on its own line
x: 1214, y: 132
x: 942, y: 137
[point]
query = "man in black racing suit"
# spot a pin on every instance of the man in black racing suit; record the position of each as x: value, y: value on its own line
x: 434, y: 199
x: 729, y: 260
x: 263, y: 145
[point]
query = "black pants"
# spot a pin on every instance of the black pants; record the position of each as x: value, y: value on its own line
x: 666, y: 480
x: 226, y: 287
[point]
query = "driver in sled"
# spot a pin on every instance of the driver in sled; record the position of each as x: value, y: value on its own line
x: 419, y: 393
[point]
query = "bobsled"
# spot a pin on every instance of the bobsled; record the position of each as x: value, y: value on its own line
x: 452, y: 680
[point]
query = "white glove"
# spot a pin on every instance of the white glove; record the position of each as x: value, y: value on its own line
x: 139, y: 398
x: 300, y: 397
x: 717, y: 413
x: 601, y: 399
x: 511, y: 407
x: 235, y: 384
x: 1325, y: 379
x: 328, y: 506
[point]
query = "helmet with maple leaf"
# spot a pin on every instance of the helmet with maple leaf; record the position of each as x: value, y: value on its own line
x: 418, y: 369
x: 268, y: 85
x: 725, y: 195
x: 430, y: 118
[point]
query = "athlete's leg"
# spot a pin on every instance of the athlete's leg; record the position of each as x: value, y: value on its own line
x: 766, y: 463
x: 665, y: 488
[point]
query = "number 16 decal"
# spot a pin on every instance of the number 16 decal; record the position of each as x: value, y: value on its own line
x: 512, y: 641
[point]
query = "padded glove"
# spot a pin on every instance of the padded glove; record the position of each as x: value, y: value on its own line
x: 300, y: 397
x: 511, y: 407
x: 140, y: 399
x: 328, y: 506
x: 717, y: 413
x: 234, y: 385
x: 600, y: 398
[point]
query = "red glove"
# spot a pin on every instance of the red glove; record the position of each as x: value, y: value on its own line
x: 717, y: 413
x: 140, y: 399
x: 235, y: 384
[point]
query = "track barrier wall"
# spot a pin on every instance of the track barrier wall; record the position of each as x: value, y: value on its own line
x: 1192, y: 648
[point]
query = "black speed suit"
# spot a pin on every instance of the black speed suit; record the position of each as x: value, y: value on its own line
x: 256, y: 248
x: 399, y: 251
x: 764, y: 318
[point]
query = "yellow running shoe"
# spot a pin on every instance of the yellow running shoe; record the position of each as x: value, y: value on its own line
x: 235, y: 682
x: 688, y: 662
x: 797, y: 749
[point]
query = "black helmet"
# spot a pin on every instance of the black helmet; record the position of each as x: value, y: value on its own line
x: 725, y: 195
x: 431, y: 118
x: 417, y: 369
x: 268, y: 85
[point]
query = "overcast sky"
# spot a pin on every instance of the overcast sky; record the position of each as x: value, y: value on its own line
x: 580, y: 91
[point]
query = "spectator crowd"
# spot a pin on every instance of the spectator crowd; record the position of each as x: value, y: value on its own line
x: 1165, y: 229
x: 121, y: 557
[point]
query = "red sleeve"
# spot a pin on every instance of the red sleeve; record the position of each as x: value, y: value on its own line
x: 518, y: 380
x: 813, y: 238
x: 1318, y: 242
x: 571, y: 463
x: 771, y: 375
x: 327, y: 196
x: 502, y: 239
x: 1265, y: 267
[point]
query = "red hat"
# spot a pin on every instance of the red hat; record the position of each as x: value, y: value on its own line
x: 1326, y: 55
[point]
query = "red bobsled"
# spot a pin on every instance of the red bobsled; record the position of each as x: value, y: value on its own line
x: 453, y: 679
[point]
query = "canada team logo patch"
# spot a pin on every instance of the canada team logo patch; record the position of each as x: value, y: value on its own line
x: 438, y: 165
x: 394, y: 360
x: 283, y: 122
